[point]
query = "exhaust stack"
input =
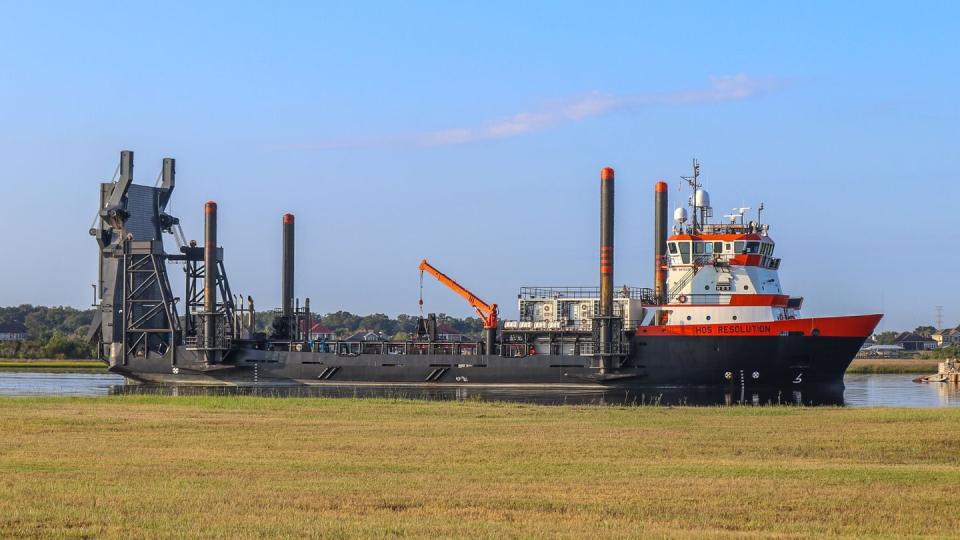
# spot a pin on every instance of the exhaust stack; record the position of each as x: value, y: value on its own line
x: 211, y: 271
x: 660, y: 242
x: 606, y: 263
x: 286, y: 280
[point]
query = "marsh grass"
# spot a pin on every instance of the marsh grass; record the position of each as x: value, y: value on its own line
x: 252, y: 467
x: 924, y: 366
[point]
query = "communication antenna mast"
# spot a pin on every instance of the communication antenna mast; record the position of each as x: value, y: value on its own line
x: 694, y: 182
x: 939, y: 317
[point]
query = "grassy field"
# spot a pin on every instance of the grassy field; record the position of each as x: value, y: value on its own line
x: 923, y: 366
x: 256, y: 467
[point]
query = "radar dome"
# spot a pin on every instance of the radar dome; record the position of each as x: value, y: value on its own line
x: 680, y: 215
x: 702, y: 198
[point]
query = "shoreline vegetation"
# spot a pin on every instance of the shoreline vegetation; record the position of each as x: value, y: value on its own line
x: 260, y: 467
x: 52, y: 365
x: 922, y: 366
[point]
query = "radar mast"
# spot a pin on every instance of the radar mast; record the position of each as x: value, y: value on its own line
x: 700, y: 207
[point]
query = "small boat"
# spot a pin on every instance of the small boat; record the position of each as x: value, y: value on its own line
x: 938, y: 378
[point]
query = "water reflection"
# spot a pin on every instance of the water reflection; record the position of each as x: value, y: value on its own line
x: 861, y: 391
x: 15, y: 383
x: 570, y: 396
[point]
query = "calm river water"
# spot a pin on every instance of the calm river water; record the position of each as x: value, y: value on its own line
x: 860, y: 391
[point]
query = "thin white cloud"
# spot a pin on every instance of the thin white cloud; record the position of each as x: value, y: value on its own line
x: 718, y: 90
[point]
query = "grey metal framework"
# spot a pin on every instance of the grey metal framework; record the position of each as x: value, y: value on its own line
x: 194, y: 311
x: 150, y: 323
x: 137, y: 315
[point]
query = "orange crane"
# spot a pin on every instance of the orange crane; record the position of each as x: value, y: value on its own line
x: 488, y: 312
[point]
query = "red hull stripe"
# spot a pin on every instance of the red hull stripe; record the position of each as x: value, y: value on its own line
x: 746, y: 260
x: 773, y: 300
x: 859, y: 326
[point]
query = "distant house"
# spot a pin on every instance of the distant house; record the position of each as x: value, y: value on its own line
x: 364, y: 335
x: 446, y: 332
x: 946, y: 338
x: 911, y: 341
x: 317, y: 331
x: 13, y: 332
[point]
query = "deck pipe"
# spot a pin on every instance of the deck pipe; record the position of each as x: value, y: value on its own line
x: 606, y: 263
x: 211, y: 271
x: 660, y: 242
x: 305, y: 335
x: 286, y: 278
x: 489, y: 340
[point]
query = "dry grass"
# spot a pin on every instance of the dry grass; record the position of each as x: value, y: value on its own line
x: 924, y: 366
x: 259, y: 467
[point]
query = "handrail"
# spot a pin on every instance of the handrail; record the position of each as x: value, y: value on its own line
x: 575, y: 293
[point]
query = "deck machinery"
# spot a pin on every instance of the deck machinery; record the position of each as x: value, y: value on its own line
x: 602, y: 336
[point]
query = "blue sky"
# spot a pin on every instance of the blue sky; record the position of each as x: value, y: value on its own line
x: 472, y: 134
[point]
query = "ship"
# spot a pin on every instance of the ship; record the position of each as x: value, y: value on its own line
x: 715, y: 317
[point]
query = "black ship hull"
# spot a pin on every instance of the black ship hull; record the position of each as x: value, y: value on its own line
x: 755, y: 361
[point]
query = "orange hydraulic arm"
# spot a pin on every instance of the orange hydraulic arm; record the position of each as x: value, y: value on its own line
x: 488, y: 312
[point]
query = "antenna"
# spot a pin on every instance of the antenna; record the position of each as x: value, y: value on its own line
x: 694, y: 182
x: 939, y: 310
x: 759, y: 210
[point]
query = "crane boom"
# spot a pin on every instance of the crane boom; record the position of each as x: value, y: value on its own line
x: 488, y: 312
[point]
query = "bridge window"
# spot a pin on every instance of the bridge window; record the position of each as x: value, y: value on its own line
x: 708, y: 248
x: 738, y: 247
x: 718, y: 247
x: 673, y: 248
x: 753, y: 247
x: 698, y: 248
x: 684, y: 252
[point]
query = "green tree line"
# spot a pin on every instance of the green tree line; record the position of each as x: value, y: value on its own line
x: 344, y: 323
x: 61, y: 332
x: 54, y: 332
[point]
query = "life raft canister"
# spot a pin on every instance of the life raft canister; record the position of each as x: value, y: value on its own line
x: 682, y: 299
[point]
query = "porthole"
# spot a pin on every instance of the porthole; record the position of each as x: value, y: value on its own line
x: 746, y: 287
x: 708, y: 317
x: 688, y: 317
x: 706, y: 287
x: 734, y: 317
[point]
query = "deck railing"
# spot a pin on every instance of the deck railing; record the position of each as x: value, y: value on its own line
x: 557, y: 293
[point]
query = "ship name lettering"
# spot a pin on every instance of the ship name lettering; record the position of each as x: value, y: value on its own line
x: 742, y: 328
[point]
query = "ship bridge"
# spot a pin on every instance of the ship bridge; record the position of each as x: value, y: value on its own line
x: 742, y: 249
x: 720, y: 272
